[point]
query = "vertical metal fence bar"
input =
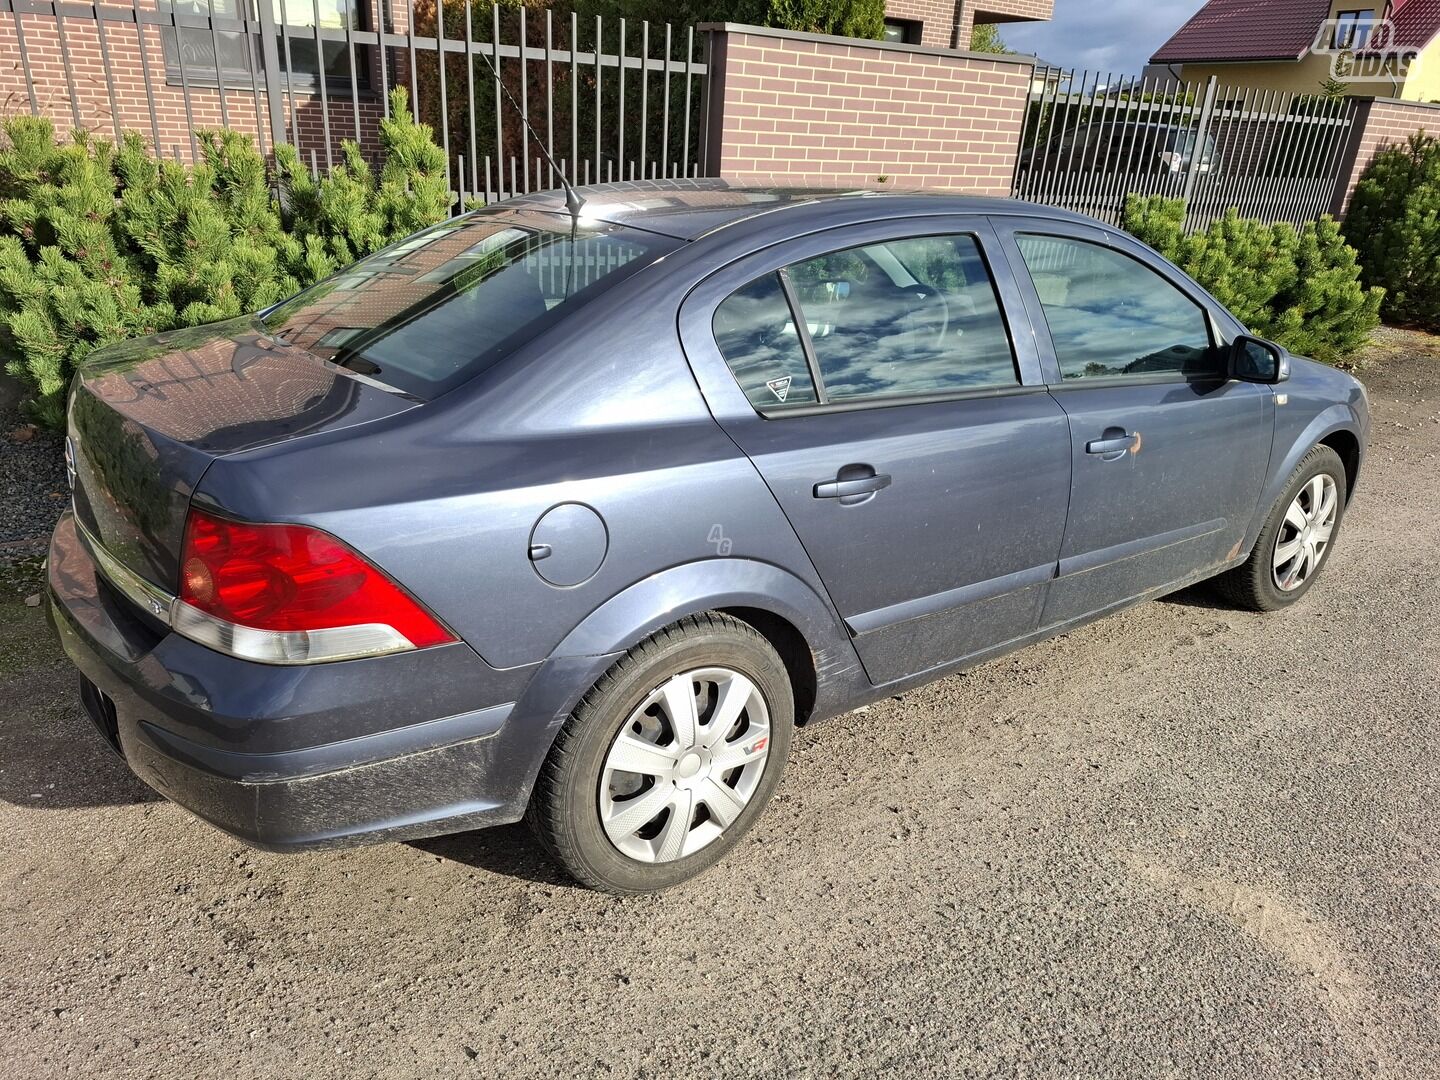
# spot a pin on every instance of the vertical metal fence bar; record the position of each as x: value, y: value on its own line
x: 219, y: 67
x: 184, y: 88
x: 350, y: 56
x: 1264, y: 193
x: 470, y: 86
x: 489, y: 191
x: 1295, y: 186
x: 382, y: 54
x: 689, y: 77
x: 599, y: 100
x: 144, y: 74
x: 549, y: 93
x: 1345, y: 119
x: 25, y: 61
x: 665, y: 109
x: 109, y: 74
x: 644, y: 89
x: 460, y: 183
x: 499, y: 107
x: 444, y: 99
x: 65, y: 59
x: 524, y: 100
x: 250, y: 45
x: 574, y: 95
x: 414, y: 61
x: 289, y: 77
x: 620, y: 109
x: 1225, y: 154
x: 324, y: 92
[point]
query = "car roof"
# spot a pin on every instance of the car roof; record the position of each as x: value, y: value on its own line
x: 690, y: 209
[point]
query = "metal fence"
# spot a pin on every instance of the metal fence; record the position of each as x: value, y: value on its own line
x: 609, y: 98
x: 1088, y: 142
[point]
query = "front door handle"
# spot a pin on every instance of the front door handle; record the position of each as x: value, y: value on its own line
x: 853, y: 484
x: 1112, y: 446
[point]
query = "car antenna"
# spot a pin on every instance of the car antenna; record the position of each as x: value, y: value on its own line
x: 573, y: 202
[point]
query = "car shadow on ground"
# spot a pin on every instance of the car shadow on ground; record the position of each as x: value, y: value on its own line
x: 510, y: 850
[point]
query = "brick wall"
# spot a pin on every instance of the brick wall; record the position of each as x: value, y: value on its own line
x: 802, y: 108
x: 1380, y: 122
x: 90, y: 106
x: 946, y: 24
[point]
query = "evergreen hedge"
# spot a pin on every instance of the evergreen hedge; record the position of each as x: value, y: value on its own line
x: 1300, y: 287
x: 1394, y: 221
x: 100, y: 241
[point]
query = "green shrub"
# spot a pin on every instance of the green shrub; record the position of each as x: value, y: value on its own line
x: 101, y: 242
x: 1394, y: 222
x: 1300, y: 287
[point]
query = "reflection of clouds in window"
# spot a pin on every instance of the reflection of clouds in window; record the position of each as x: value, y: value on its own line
x: 915, y: 316
x: 758, y: 340
x: 1110, y: 315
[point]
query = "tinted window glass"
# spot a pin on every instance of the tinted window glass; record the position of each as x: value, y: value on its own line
x: 916, y: 316
x: 1110, y: 315
x: 435, y: 309
x: 757, y: 337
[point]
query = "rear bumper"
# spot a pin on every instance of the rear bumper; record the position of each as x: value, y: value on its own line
x: 289, y: 758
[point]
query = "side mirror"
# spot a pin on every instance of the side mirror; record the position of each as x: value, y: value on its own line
x: 1256, y: 360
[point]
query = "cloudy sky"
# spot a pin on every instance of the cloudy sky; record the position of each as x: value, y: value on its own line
x: 1117, y: 36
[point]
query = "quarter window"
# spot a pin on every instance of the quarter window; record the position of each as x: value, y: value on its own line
x: 756, y: 334
x: 1110, y: 315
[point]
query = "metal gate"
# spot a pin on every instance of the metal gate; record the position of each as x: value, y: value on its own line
x: 1089, y: 141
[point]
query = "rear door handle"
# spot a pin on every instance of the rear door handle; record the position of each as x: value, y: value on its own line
x: 844, y: 489
x: 1115, y: 445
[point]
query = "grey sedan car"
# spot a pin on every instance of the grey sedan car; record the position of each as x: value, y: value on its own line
x: 575, y: 517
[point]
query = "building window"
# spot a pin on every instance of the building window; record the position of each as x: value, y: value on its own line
x: 1352, y: 29
x: 239, y: 52
x: 902, y: 31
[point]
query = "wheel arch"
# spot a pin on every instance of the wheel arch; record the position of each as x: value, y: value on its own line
x: 1334, y: 427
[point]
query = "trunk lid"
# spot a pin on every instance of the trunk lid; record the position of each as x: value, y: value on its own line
x: 147, y: 418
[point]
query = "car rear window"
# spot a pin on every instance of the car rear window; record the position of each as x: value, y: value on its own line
x: 437, y: 308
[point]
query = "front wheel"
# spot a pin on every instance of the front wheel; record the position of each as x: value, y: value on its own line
x: 1296, y: 539
x: 669, y: 760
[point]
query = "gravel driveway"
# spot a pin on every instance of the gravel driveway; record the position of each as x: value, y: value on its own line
x: 1186, y: 841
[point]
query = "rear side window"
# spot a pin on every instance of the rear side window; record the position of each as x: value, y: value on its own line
x: 432, y: 311
x: 1111, y: 316
x: 912, y: 317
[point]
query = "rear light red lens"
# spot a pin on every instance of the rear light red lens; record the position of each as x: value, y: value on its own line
x: 291, y: 577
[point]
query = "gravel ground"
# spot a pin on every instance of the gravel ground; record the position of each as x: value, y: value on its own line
x: 1186, y: 841
x: 32, y: 481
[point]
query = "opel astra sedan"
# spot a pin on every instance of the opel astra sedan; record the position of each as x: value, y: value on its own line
x: 574, y: 518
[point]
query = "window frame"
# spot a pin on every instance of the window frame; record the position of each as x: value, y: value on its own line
x: 201, y: 74
x: 975, y: 228
x: 1221, y: 326
x: 1352, y: 22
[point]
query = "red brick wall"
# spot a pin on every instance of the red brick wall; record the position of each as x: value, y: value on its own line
x: 946, y: 24
x: 1379, y: 123
x: 801, y: 108
x: 92, y: 101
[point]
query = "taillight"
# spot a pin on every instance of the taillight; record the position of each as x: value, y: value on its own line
x: 290, y: 594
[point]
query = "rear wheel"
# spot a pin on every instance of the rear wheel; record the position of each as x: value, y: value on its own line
x: 1296, y: 539
x: 669, y: 760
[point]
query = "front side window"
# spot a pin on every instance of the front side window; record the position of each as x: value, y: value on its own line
x: 1112, y: 316
x: 430, y: 312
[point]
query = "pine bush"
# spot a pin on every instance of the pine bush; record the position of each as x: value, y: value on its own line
x: 1300, y: 287
x: 101, y: 242
x: 1394, y: 222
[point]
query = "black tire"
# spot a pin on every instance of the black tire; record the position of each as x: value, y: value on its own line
x: 564, y: 808
x: 1252, y: 584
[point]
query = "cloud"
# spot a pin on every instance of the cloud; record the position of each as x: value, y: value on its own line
x: 1115, y: 37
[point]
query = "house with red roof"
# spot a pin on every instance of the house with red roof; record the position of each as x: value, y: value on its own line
x: 1369, y: 47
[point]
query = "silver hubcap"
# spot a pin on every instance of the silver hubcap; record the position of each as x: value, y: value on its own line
x: 684, y: 765
x: 1305, y: 533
